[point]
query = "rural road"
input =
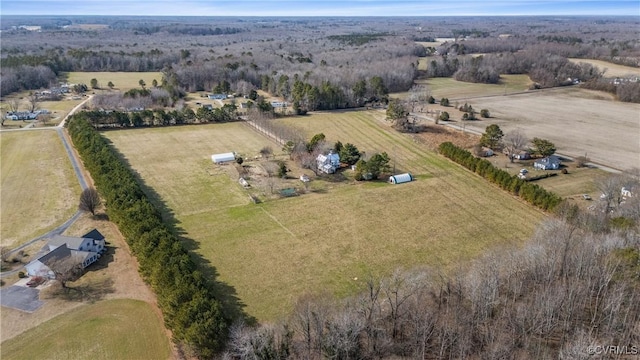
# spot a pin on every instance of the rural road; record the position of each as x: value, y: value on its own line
x: 75, y: 163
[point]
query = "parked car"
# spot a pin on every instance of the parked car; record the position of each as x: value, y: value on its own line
x: 586, y: 196
x: 35, y: 281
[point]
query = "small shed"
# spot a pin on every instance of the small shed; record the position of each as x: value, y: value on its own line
x: 224, y: 157
x: 400, y: 178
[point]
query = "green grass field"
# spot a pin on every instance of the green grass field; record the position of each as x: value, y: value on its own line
x: 112, y: 329
x: 39, y: 189
x: 122, y: 80
x: 273, y: 253
x: 453, y: 89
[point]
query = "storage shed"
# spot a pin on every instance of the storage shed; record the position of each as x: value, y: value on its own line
x: 400, y: 178
x: 221, y: 158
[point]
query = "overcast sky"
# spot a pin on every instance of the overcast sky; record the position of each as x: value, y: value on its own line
x: 318, y: 8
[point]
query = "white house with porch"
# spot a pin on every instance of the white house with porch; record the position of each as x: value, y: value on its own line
x: 65, y: 251
x: 328, y: 163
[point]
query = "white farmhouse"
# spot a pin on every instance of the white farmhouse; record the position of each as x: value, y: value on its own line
x: 328, y: 163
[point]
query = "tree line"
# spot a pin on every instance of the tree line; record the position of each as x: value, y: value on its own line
x: 532, y: 193
x: 192, y: 310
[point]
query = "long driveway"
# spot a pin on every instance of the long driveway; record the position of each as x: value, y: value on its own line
x: 75, y: 163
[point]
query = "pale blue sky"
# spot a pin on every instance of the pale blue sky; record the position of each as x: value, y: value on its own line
x: 318, y: 8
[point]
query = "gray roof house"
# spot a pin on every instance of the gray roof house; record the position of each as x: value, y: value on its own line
x: 328, y: 163
x: 549, y: 163
x: 68, y: 251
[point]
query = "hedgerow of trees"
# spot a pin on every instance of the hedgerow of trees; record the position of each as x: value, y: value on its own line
x: 529, y: 192
x: 188, y: 302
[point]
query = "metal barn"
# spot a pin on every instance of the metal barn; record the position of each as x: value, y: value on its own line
x: 225, y: 157
x: 400, y: 178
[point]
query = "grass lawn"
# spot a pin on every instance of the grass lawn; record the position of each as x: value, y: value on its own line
x: 122, y: 80
x: 112, y: 329
x: 274, y: 252
x: 39, y: 189
x: 578, y: 181
x: 453, y: 89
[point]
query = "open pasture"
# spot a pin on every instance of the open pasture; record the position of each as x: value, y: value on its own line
x: 577, y: 121
x: 274, y: 252
x: 610, y: 69
x: 122, y: 80
x: 39, y: 189
x: 112, y: 329
x: 453, y: 89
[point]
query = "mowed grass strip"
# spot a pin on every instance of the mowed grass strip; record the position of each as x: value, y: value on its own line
x: 39, y: 189
x: 275, y: 252
x: 122, y: 80
x: 111, y: 329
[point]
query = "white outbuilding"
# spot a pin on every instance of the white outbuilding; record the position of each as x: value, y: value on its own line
x: 400, y: 178
x: 221, y: 158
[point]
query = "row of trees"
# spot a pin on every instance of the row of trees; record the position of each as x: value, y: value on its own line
x: 547, y: 71
x: 564, y: 292
x: 160, y: 117
x: 529, y: 192
x: 188, y: 302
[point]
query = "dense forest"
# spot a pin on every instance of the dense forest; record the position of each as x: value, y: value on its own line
x: 318, y: 63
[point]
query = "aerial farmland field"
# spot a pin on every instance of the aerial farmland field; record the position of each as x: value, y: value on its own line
x: 39, y: 188
x: 116, y: 329
x: 122, y: 80
x: 274, y: 252
x: 578, y: 121
x: 610, y: 69
x: 453, y: 89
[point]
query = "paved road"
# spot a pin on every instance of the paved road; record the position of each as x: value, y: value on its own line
x: 83, y: 184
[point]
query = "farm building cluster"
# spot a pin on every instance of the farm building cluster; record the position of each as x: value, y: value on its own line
x: 25, y: 115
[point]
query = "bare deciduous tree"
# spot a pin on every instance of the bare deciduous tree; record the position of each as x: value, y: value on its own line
x: 89, y: 201
x: 14, y: 104
x: 33, y: 101
x: 66, y: 269
x: 514, y: 142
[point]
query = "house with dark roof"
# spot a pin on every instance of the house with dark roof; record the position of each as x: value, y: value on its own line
x: 67, y: 251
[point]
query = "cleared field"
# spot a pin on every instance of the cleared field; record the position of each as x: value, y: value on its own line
x: 117, y: 329
x: 273, y: 253
x: 453, y: 89
x: 577, y: 121
x: 611, y: 69
x: 38, y: 187
x: 122, y: 80
x: 183, y: 174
